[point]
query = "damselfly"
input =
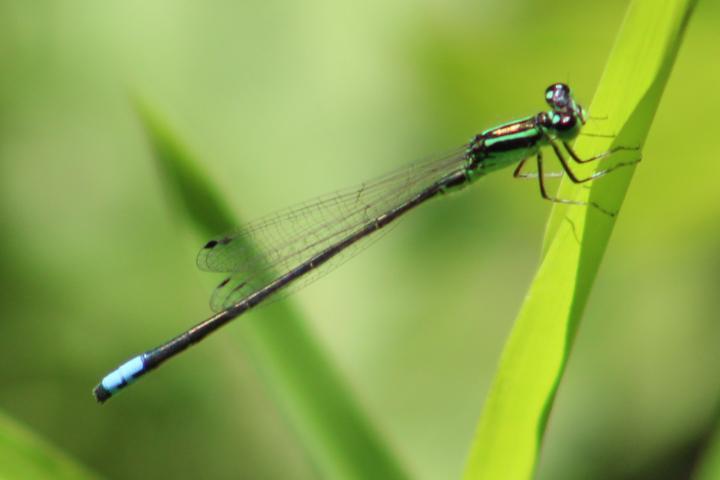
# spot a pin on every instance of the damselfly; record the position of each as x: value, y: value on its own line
x: 303, y: 242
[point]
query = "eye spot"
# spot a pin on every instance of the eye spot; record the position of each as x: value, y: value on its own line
x: 211, y: 244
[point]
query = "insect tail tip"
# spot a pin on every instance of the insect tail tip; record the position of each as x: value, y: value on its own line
x: 101, y: 394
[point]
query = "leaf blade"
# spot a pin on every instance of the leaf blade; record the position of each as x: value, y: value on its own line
x: 512, y: 425
x: 24, y: 455
x: 336, y: 434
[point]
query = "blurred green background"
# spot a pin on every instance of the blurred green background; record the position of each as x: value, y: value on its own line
x: 282, y: 101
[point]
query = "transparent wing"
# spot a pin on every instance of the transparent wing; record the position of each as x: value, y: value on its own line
x: 255, y: 254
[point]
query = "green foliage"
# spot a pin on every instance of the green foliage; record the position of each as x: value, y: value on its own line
x: 513, y: 422
x: 25, y: 456
x: 709, y: 466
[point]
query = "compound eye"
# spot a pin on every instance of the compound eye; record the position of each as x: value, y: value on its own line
x: 557, y: 96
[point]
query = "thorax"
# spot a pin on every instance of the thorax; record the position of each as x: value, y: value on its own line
x: 504, y: 145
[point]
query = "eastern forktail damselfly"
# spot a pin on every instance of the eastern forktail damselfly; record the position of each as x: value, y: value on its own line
x: 303, y: 242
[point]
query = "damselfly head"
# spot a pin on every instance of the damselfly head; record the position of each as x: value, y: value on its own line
x: 560, y: 98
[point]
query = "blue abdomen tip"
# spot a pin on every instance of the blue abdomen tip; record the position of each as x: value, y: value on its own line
x: 123, y: 375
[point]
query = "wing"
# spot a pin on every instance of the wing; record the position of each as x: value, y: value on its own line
x: 255, y: 254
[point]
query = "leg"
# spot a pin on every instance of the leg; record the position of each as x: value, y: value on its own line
x: 519, y: 174
x: 600, y: 135
x: 596, y: 157
x: 545, y: 195
x: 598, y: 174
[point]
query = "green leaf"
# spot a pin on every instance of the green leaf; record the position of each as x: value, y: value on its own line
x: 334, y: 431
x: 23, y: 455
x: 708, y: 467
x: 512, y: 425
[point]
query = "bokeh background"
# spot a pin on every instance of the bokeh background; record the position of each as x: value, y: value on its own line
x: 283, y: 100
